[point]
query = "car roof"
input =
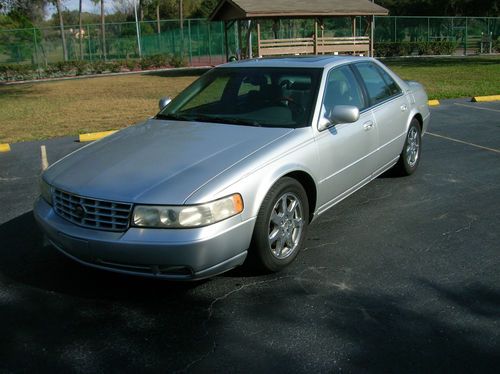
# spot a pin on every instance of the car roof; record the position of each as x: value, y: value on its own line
x: 296, y: 61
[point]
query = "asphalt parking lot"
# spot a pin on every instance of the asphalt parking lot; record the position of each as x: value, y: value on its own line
x: 403, y: 276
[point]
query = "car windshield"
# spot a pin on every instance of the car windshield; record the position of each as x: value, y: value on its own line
x: 263, y: 96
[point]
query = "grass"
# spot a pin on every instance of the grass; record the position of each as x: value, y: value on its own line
x: 70, y: 107
x: 446, y: 78
x: 49, y: 109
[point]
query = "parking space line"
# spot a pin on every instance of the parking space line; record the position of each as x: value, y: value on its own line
x: 486, y: 98
x: 461, y: 141
x: 43, y: 154
x: 90, y: 137
x: 477, y: 107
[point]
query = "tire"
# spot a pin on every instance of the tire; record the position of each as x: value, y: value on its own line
x: 278, y: 235
x: 410, y: 155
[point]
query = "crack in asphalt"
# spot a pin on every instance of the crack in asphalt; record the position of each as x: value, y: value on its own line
x: 210, y: 313
x: 211, y: 308
x: 447, y: 235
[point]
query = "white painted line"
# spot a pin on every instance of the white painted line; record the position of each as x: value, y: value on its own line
x: 461, y: 141
x: 477, y: 107
x: 43, y: 153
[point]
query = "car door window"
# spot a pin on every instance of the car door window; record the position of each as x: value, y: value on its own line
x: 379, y: 89
x: 394, y: 89
x: 342, y: 88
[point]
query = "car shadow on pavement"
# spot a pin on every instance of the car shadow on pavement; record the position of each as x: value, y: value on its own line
x: 25, y: 259
x: 57, y: 315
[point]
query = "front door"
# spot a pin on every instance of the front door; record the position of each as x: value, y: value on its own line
x: 345, y: 150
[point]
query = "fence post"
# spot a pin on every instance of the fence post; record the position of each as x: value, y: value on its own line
x: 466, y: 37
x: 428, y: 29
x: 90, y: 48
x: 36, y: 52
x: 395, y: 38
x: 209, y: 45
x: 190, y: 42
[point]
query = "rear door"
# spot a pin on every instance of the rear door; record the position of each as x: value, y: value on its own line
x: 390, y: 109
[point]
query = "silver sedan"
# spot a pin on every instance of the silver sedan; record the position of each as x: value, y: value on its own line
x: 235, y: 167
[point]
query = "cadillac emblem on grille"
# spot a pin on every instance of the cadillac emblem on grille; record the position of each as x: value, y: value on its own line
x: 79, y: 211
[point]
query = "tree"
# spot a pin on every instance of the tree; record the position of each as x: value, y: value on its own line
x: 80, y: 29
x: 57, y: 3
x: 103, y: 28
x: 34, y: 10
x: 449, y: 8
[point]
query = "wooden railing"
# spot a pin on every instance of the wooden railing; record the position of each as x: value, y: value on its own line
x: 354, y: 45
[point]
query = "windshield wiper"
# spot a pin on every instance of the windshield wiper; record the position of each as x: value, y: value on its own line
x: 173, y: 116
x: 229, y: 120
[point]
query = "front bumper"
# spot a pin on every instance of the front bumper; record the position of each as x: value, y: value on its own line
x: 180, y: 254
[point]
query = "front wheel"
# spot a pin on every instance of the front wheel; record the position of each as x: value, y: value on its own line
x: 410, y: 156
x: 281, y: 225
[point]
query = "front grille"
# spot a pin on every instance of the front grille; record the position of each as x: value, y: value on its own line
x: 92, y: 213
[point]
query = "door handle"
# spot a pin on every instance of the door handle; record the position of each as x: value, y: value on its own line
x: 368, y: 125
x: 404, y: 108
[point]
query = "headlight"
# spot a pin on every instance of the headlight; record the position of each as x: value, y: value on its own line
x: 186, y: 216
x: 46, y: 191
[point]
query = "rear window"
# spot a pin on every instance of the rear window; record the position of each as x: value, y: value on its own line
x: 378, y: 83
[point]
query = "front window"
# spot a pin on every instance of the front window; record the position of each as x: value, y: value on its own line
x: 269, y: 97
x: 342, y: 88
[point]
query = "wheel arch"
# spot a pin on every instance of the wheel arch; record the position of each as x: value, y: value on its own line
x: 309, y: 186
x: 300, y: 174
x: 420, y: 120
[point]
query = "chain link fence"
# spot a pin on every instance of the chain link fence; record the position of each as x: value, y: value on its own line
x: 202, y: 42
x: 470, y: 35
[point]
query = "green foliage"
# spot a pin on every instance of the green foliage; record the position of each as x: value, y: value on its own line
x: 177, y: 61
x: 17, y: 72
x: 154, y: 61
x: 414, y: 48
x: 441, y: 7
x: 16, y: 38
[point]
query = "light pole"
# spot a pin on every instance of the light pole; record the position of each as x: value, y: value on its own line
x: 137, y: 29
x: 181, y: 24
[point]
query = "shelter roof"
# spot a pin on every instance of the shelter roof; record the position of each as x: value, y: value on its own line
x: 228, y: 10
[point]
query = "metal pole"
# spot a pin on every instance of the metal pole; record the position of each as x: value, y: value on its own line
x: 226, y: 41
x: 137, y: 30
x: 209, y: 44
x: 249, y: 41
x: 395, y: 29
x: 90, y: 49
x: 181, y: 24
x: 428, y: 29
x: 466, y: 37
x: 372, y: 37
x: 36, y: 52
x: 189, y: 35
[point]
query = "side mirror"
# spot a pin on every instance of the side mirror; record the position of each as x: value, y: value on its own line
x: 164, y: 101
x: 339, y: 114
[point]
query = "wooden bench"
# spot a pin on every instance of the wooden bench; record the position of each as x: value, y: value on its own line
x: 295, y: 46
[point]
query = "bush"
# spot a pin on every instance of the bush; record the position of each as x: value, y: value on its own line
x: 408, y: 48
x: 177, y: 61
x: 15, y: 72
x: 496, y: 46
x: 154, y: 61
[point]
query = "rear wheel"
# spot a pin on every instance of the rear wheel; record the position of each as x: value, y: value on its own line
x: 410, y: 156
x: 281, y: 225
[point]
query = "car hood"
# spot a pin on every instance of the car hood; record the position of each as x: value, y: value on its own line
x: 158, y: 162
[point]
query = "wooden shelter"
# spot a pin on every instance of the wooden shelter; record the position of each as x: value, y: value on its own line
x: 254, y: 11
